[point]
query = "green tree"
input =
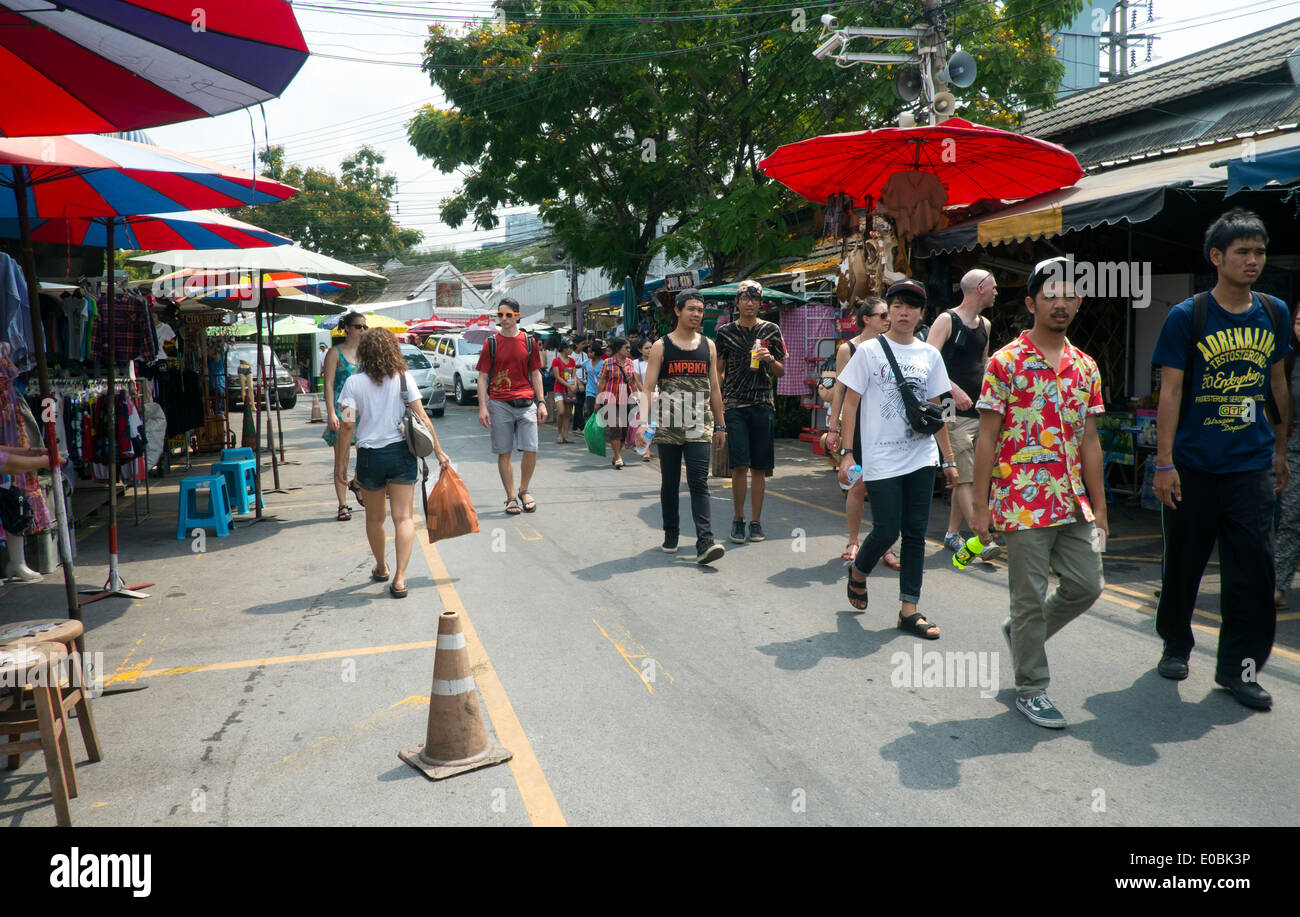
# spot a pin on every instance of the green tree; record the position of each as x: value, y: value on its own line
x: 344, y: 216
x: 614, y: 116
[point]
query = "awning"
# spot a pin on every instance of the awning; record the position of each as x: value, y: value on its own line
x: 1281, y: 166
x: 1132, y: 193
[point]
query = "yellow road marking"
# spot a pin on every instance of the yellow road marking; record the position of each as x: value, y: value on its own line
x: 628, y: 657
x: 539, y: 801
x: 275, y: 660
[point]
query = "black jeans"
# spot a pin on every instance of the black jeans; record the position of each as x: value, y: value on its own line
x: 697, y: 456
x: 1235, y: 509
x: 899, y: 503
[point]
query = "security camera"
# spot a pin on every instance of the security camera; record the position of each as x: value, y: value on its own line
x: 828, y: 47
x: 830, y: 22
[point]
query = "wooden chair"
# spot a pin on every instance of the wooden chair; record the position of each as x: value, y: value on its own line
x: 35, y: 667
x: 75, y: 696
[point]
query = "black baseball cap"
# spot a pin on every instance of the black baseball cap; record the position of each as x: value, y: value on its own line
x: 687, y: 295
x: 1052, y: 269
x: 910, y: 291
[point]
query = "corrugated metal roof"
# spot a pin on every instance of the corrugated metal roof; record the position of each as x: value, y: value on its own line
x: 1230, y: 62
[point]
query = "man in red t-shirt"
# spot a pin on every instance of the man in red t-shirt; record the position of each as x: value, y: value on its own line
x: 510, y: 402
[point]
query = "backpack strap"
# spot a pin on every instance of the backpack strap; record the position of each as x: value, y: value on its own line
x: 1200, y: 314
x: 1272, y: 307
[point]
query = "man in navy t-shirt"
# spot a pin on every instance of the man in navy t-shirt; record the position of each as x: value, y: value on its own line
x: 1221, y: 458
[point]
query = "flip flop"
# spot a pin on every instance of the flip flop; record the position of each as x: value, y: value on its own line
x: 374, y: 575
x: 395, y: 592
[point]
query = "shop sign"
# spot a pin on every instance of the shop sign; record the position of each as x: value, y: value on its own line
x: 674, y: 283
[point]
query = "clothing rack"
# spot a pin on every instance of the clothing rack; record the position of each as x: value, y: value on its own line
x: 129, y: 385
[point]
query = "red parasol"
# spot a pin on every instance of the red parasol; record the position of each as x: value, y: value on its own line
x: 972, y: 162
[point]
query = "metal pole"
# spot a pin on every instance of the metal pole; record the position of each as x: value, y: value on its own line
x: 115, y: 585
x: 47, y: 404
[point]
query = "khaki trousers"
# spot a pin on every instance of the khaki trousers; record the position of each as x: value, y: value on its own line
x: 1035, y: 616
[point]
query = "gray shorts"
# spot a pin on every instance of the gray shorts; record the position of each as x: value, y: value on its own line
x: 512, y: 427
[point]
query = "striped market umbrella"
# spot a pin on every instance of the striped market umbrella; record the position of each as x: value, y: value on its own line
x: 96, y: 66
x: 87, y: 176
x: 198, y: 229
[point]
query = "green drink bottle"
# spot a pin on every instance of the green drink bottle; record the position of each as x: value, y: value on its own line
x: 970, y: 550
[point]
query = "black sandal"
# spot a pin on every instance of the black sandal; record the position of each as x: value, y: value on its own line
x: 859, y: 594
x: 512, y: 506
x: 526, y: 499
x: 355, y: 487
x: 345, y: 513
x: 912, y: 624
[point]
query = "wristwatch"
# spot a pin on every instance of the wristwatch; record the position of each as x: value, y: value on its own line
x: 947, y: 465
x: 844, y: 452
x: 720, y: 428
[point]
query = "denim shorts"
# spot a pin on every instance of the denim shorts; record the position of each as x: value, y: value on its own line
x: 391, y: 464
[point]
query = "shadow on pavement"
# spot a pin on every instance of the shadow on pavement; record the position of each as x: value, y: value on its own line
x: 850, y: 640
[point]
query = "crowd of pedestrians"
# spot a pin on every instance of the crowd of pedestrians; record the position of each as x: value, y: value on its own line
x: 1013, y: 434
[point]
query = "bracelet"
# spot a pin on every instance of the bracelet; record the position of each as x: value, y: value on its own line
x: 1165, y: 467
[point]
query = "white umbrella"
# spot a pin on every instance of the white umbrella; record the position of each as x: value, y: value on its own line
x: 277, y: 258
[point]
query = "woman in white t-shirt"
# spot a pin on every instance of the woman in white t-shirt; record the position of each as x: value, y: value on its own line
x: 372, y: 405
x: 898, y: 462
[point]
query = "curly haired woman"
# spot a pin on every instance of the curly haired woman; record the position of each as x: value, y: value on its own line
x: 373, y: 405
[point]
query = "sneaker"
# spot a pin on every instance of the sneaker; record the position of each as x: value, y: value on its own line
x: 1041, y: 710
x: 1173, y: 667
x: 709, y: 553
x: 756, y: 532
x: 738, y: 531
x: 954, y: 542
x: 670, y: 544
x: 991, y: 551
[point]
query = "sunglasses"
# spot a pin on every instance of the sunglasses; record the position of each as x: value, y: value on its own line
x: 358, y: 327
x: 879, y: 315
x: 506, y: 314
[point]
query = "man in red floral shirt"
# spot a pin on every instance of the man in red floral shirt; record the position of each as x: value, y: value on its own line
x: 1038, y: 449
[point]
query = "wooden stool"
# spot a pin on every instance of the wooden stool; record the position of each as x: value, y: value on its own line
x: 35, y: 666
x: 64, y: 631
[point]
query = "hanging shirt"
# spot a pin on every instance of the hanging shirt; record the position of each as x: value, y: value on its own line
x: 15, y: 315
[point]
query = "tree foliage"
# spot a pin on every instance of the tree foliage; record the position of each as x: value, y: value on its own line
x: 614, y: 116
x: 344, y: 216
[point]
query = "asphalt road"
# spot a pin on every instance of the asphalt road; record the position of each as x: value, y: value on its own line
x: 274, y: 683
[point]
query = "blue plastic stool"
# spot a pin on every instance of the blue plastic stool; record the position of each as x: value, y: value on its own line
x: 230, y: 455
x: 218, y: 515
x: 241, y: 482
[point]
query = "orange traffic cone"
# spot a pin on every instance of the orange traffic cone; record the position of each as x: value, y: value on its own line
x: 316, y: 416
x: 456, y: 740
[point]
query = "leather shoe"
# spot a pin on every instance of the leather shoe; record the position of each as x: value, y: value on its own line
x: 1172, y: 667
x: 1247, y: 693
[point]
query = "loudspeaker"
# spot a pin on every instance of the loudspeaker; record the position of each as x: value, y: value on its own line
x: 945, y: 103
x: 960, y: 70
x: 909, y: 84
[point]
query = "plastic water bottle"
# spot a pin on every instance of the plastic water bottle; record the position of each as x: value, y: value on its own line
x: 649, y: 435
x: 969, y: 551
x: 854, y: 475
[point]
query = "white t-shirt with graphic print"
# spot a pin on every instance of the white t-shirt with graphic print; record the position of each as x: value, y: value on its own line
x: 890, y: 447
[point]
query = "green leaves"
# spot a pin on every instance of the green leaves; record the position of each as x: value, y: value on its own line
x: 344, y: 216
x: 613, y: 116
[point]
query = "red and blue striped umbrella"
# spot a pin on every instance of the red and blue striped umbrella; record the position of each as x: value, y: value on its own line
x: 200, y: 229
x: 95, y: 66
x: 86, y: 176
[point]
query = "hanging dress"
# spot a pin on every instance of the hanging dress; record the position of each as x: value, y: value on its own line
x: 13, y: 432
x: 342, y: 370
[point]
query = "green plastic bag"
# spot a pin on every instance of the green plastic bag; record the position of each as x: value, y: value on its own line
x: 594, y: 433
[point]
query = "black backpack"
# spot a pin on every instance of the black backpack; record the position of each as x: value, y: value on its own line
x: 1200, y: 315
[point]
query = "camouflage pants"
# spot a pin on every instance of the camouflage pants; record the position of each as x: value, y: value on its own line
x: 1287, y: 552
